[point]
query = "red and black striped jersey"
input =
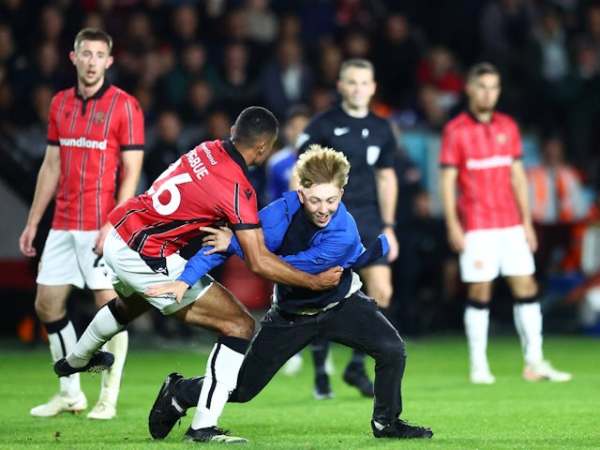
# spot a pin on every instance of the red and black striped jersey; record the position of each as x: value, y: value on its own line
x: 483, y: 154
x: 91, y: 133
x: 206, y: 186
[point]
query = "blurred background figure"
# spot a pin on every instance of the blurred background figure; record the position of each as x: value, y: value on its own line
x: 558, y: 202
x: 167, y: 146
x: 287, y: 80
x: 281, y: 163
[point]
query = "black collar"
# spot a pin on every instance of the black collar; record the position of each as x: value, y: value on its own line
x: 99, y: 93
x: 345, y: 114
x: 235, y: 154
x: 472, y: 116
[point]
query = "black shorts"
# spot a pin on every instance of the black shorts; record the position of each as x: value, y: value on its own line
x: 368, y: 221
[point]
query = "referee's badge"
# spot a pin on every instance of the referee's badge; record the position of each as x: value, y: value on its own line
x: 501, y: 138
x: 373, y: 154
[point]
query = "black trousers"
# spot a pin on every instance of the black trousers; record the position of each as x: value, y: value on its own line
x: 356, y: 323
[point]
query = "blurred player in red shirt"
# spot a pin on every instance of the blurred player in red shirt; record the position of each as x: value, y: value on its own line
x: 155, y: 233
x: 490, y: 223
x: 95, y: 131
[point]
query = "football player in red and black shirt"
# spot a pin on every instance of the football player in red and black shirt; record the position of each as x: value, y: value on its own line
x: 95, y: 131
x: 151, y: 235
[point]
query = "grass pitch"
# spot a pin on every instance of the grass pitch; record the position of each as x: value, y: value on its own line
x: 510, y: 414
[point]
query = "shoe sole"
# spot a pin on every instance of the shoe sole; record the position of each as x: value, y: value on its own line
x: 218, y: 440
x: 429, y: 436
x: 98, y: 368
x: 537, y: 379
x: 70, y: 411
x: 95, y: 368
x: 100, y: 418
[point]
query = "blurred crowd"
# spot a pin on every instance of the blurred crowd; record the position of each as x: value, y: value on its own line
x: 193, y: 65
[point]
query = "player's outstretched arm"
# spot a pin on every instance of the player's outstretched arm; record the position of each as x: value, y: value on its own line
x: 264, y: 263
x: 45, y: 189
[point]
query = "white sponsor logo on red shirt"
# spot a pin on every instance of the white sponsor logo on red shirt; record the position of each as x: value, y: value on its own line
x: 489, y: 163
x: 83, y: 143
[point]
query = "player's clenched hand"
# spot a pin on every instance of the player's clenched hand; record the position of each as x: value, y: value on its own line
x: 218, y: 238
x: 328, y: 279
x: 456, y: 238
x: 99, y: 244
x: 26, y: 241
x: 530, y: 237
x: 176, y: 288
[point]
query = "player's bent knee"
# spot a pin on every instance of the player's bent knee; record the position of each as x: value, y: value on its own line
x: 242, y: 327
x: 392, y: 351
x: 48, y: 310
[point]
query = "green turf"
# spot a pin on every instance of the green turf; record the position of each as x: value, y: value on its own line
x: 509, y: 414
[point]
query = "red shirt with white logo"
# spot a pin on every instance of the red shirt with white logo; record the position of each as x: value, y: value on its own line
x: 206, y: 186
x: 91, y: 134
x: 483, y: 153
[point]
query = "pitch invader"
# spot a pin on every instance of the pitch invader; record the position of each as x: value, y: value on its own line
x: 490, y: 224
x: 95, y: 132
x: 369, y: 144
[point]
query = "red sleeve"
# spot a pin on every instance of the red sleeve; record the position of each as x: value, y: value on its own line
x: 242, y: 209
x: 52, y: 136
x: 516, y: 149
x: 131, y: 129
x: 449, y: 152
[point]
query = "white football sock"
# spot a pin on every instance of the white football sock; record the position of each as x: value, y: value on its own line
x: 221, y: 379
x: 61, y: 343
x: 102, y: 327
x: 476, y: 328
x: 111, y: 379
x: 528, y: 322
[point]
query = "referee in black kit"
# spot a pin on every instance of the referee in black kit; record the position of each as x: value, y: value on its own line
x: 369, y: 144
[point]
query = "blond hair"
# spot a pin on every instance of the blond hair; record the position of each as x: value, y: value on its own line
x: 322, y: 165
x: 358, y: 63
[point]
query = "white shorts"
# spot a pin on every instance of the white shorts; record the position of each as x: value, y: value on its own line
x: 493, y: 252
x: 133, y: 275
x: 69, y: 258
